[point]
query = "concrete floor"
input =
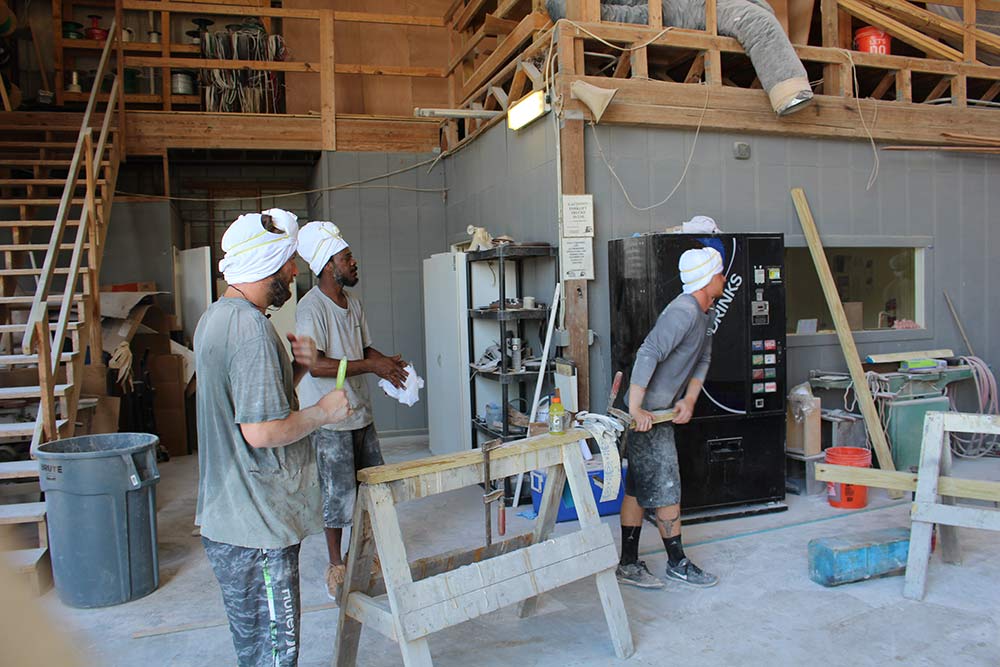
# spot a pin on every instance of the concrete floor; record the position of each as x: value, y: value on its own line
x: 765, y: 611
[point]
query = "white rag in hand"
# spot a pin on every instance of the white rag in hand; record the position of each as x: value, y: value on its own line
x: 410, y: 393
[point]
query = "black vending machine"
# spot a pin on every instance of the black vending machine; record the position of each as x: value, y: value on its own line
x: 732, y: 453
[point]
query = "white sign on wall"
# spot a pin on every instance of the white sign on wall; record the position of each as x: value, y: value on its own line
x: 578, y: 215
x: 577, y: 258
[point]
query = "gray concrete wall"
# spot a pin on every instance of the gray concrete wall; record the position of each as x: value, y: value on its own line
x: 139, y: 246
x: 941, y: 202
x: 390, y: 230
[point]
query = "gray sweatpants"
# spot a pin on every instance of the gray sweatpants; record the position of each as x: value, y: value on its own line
x: 260, y: 590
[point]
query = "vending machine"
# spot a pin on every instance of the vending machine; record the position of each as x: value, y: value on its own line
x: 732, y: 451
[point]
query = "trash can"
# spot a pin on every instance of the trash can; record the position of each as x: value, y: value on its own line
x: 100, y: 502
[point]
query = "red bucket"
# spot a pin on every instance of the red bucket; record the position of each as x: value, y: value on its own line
x: 872, y: 40
x: 848, y: 496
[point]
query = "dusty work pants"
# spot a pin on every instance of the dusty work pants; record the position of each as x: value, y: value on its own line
x: 260, y: 589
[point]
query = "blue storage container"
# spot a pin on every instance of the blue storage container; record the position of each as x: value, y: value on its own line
x: 567, y: 512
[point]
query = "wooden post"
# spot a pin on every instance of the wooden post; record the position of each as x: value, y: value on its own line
x: 833, y: 82
x: 713, y: 59
x: 46, y: 382
x: 969, y: 38
x: 959, y: 91
x: 167, y: 87
x: 119, y: 139
x: 864, y: 396
x: 655, y: 14
x: 328, y: 77
x: 904, y: 85
x: 640, y: 64
x: 575, y: 301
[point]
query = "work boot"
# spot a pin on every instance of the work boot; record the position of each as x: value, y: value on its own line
x: 689, y: 573
x: 335, y: 580
x: 637, y: 574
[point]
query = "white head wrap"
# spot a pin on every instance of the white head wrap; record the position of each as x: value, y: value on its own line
x: 252, y: 252
x: 318, y: 242
x: 698, y: 267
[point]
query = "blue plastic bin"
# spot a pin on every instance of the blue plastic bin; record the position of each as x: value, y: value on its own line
x: 567, y: 512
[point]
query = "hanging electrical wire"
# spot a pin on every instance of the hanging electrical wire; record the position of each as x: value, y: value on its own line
x: 243, y: 91
x: 977, y: 445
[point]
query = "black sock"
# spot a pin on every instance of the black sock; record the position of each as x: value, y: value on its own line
x: 675, y: 550
x: 630, y: 544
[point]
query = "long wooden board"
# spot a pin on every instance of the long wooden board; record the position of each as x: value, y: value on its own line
x: 864, y: 396
x: 976, y: 489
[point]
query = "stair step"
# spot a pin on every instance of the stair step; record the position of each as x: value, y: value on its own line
x: 28, y: 299
x: 17, y: 393
x: 22, y: 512
x: 19, y: 470
x: 45, y: 181
x: 24, y: 561
x: 70, y: 222
x: 23, y: 430
x: 49, y: 201
x: 60, y: 271
x: 50, y: 162
x: 20, y: 328
x: 41, y: 145
x: 28, y: 359
x: 25, y: 247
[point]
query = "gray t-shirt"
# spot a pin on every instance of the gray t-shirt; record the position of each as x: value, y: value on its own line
x: 678, y: 348
x: 267, y: 498
x: 338, y: 332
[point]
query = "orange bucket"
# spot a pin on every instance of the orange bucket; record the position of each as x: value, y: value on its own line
x: 872, y: 40
x: 848, y: 496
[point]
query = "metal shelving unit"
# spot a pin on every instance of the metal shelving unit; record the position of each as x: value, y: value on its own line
x: 509, y: 321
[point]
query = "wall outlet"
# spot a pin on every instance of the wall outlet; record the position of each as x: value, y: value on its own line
x: 741, y: 150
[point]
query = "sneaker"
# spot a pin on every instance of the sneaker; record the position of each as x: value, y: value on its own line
x: 689, y: 573
x: 637, y: 574
x: 335, y: 580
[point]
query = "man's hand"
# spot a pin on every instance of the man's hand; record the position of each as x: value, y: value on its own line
x: 683, y: 410
x: 392, y: 369
x: 335, y: 406
x: 643, y: 419
x: 303, y: 350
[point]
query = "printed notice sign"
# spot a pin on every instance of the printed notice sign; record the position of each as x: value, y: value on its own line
x: 578, y: 215
x: 578, y: 258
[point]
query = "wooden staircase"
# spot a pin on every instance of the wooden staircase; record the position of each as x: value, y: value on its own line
x: 57, y: 182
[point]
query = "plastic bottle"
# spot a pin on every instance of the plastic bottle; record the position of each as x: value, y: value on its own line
x: 557, y: 416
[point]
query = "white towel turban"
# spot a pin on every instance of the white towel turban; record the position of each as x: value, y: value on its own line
x: 252, y: 252
x: 318, y: 242
x: 698, y: 267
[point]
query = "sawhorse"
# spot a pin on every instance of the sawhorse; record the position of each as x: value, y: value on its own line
x: 931, y: 482
x: 413, y: 600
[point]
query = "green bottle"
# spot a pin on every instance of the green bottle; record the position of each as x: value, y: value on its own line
x: 557, y: 416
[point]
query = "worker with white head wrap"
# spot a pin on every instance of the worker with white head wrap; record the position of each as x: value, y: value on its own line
x: 670, y: 368
x: 335, y: 319
x: 258, y: 492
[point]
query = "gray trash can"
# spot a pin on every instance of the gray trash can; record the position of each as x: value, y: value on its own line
x: 100, y: 501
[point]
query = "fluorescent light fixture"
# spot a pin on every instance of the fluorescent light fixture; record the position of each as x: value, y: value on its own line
x: 526, y: 109
x: 455, y: 113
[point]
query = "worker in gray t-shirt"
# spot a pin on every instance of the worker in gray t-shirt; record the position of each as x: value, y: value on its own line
x: 334, y: 318
x: 670, y: 368
x: 258, y: 494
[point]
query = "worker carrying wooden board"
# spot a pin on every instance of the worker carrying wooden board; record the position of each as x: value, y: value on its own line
x: 258, y: 490
x: 670, y: 368
x: 335, y: 319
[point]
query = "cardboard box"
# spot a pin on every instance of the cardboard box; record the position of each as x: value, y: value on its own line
x: 804, y: 437
x: 171, y: 427
x: 167, y: 368
x: 855, y: 312
x: 156, y: 343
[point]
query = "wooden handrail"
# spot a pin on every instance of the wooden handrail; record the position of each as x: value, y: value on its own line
x: 36, y: 334
x: 39, y: 305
